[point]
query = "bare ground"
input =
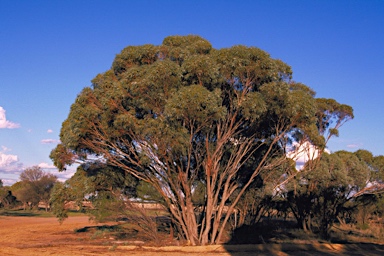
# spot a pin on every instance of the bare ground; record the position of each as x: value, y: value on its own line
x: 45, y: 236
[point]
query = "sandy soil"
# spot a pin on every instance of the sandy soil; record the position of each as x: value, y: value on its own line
x: 45, y: 236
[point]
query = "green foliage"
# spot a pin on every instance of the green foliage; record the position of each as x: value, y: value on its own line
x: 58, y: 199
x: 199, y: 192
x: 196, y: 105
x: 319, y: 196
x: 330, y: 111
x: 147, y: 192
x: 134, y: 55
x: 61, y: 157
x: 378, y: 167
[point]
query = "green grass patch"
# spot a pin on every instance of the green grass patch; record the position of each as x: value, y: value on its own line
x: 35, y: 213
x: 26, y: 213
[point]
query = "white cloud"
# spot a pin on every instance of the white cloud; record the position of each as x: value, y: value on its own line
x: 50, y: 141
x: 46, y: 166
x: 49, y: 131
x: 6, y: 160
x: 302, y: 153
x: 4, y: 123
x: 9, y: 163
x: 352, y: 146
x: 5, y: 149
x: 63, y: 176
x: 8, y: 182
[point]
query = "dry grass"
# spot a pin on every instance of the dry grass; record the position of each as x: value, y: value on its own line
x: 31, y: 235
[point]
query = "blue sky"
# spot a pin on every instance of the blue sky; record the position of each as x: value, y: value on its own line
x: 50, y: 50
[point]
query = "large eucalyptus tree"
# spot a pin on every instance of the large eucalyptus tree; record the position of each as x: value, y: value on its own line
x: 183, y: 113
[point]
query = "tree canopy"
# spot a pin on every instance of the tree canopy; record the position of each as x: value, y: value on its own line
x: 183, y: 116
x: 34, y: 186
x: 318, y: 196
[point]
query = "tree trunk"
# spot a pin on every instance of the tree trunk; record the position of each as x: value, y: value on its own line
x: 192, y: 225
x: 242, y: 215
x: 207, y: 221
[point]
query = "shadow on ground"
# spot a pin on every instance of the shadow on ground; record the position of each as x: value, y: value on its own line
x: 278, y: 237
x: 102, y: 228
x: 18, y: 214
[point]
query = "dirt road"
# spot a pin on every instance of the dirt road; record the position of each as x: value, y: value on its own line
x: 45, y: 236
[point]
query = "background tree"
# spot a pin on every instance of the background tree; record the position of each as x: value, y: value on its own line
x: 7, y: 200
x: 330, y: 116
x: 104, y: 193
x: 182, y: 114
x: 378, y: 168
x: 101, y: 185
x: 318, y: 197
x: 375, y: 164
x: 262, y: 197
x: 20, y: 190
x: 34, y: 187
x: 369, y: 202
